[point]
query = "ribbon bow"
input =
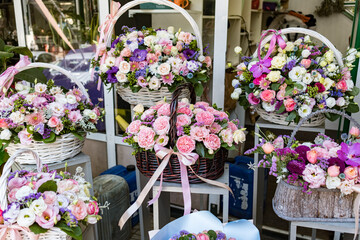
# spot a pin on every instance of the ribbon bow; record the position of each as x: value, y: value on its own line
x: 7, y: 77
x: 185, y: 161
x: 104, y: 32
x: 356, y: 189
x: 276, y: 38
x: 14, y: 232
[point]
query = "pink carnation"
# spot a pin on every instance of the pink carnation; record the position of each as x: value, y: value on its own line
x: 199, y: 133
x: 146, y: 138
x: 162, y: 125
x: 212, y: 142
x: 164, y: 110
x: 185, y: 144
x: 211, y: 110
x: 183, y: 120
x: 134, y: 127
x: 157, y: 106
x: 232, y: 126
x: 314, y: 175
x: 205, y: 118
x: 215, y: 128
x: 75, y: 116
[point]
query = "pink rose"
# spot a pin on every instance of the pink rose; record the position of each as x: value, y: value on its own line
x: 306, y: 63
x: 92, y: 208
x: 333, y: 171
x: 207, y: 61
x: 185, y: 144
x: 3, y: 123
x: 289, y: 104
x: 162, y: 125
x: 67, y: 185
x: 342, y: 85
x: 354, y: 131
x: 215, y: 128
x: 268, y: 148
x: 232, y: 126
x: 48, y: 218
x: 75, y: 116
x: 179, y: 46
x: 205, y: 118
x: 202, y: 236
x: 253, y: 100
x: 199, y: 133
x: 212, y: 142
x: 146, y: 138
x: 267, y: 95
x: 185, y: 110
x: 79, y: 210
x: 39, y: 101
x: 11, y: 195
x: 25, y: 137
x: 50, y: 197
x: 330, y: 144
x: 202, y: 104
x: 280, y: 95
x: 312, y: 156
x: 351, y: 172
x: 183, y: 120
x: 134, y: 127
x: 54, y: 122
x: 164, y: 110
x: 16, y: 182
x: 322, y: 152
x: 227, y: 136
x: 185, y: 37
x: 126, y: 52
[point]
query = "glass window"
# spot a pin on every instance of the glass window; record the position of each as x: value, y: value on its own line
x: 7, y: 23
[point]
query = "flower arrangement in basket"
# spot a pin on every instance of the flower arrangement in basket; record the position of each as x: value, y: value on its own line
x: 286, y: 81
x: 51, y: 120
x: 322, y: 175
x: 148, y: 64
x: 44, y: 204
x: 205, y: 235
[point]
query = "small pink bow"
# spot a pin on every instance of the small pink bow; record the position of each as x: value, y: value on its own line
x: 14, y: 232
x: 7, y: 77
x: 276, y: 38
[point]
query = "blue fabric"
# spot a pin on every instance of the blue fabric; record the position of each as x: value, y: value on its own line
x: 204, y: 220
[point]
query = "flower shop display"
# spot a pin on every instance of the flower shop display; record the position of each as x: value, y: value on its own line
x: 46, y: 118
x: 44, y: 204
x: 182, y: 142
x: 148, y: 64
x: 196, y: 226
x: 317, y: 181
x: 286, y: 81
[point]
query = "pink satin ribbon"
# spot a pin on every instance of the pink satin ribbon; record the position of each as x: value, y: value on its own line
x: 276, y: 38
x: 104, y: 32
x: 14, y: 232
x: 185, y: 161
x: 7, y: 77
x: 356, y: 208
x: 53, y: 23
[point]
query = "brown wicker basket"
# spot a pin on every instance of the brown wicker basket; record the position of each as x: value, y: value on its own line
x: 147, y: 162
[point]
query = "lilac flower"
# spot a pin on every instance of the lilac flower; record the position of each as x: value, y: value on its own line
x: 140, y: 73
x: 350, y: 154
x: 188, y: 53
x: 261, y: 67
x: 71, y: 106
x: 295, y: 166
x: 138, y: 55
x: 40, y: 128
x: 111, y: 74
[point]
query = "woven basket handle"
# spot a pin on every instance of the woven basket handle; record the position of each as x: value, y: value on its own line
x: 6, y: 172
x: 60, y: 69
x: 131, y: 4
x: 309, y: 32
x: 343, y: 114
x: 174, y: 106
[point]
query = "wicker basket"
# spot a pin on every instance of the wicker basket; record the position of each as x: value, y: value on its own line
x: 281, y: 118
x: 323, y: 205
x: 65, y: 146
x: 148, y: 162
x: 53, y: 233
x: 145, y: 96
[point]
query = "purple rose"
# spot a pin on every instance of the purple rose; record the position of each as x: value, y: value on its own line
x: 138, y: 55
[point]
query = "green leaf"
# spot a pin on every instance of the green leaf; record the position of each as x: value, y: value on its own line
x: 19, y: 50
x: 200, y: 149
x: 275, y: 86
x: 352, y: 108
x: 79, y: 136
x: 51, y: 139
x: 199, y: 89
x: 48, y: 186
x: 4, y: 156
x: 6, y: 54
x: 332, y: 117
x: 37, y: 137
x: 354, y: 92
x: 289, y: 91
x: 74, y: 232
x: 212, y: 234
x: 31, y: 74
x: 35, y: 228
x: 2, y: 45
x: 298, y: 85
x: 281, y: 109
x: 201, y: 77
x: 291, y: 116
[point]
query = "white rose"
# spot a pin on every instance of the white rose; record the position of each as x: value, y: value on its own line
x: 329, y: 56
x: 40, y: 88
x: 57, y: 109
x: 235, y: 95
x: 332, y: 182
x: 235, y: 82
x: 350, y: 84
x: 110, y: 61
x: 304, y: 110
x: 17, y: 117
x: 38, y: 206
x: 154, y: 83
x: 60, y: 98
x: 26, y: 218
x: 305, y: 53
x: 331, y: 67
x: 163, y: 34
x: 55, y: 90
x: 71, y: 99
x: 89, y: 113
x: 5, y: 134
x: 201, y: 58
x: 278, y: 62
x: 121, y: 77
x: 138, y: 108
x: 124, y: 67
x: 132, y: 35
x: 268, y: 106
x: 149, y: 40
x: 307, y: 39
x: 328, y: 83
x: 297, y: 73
x: 158, y: 48
x: 307, y: 79
x: 289, y: 46
x: 237, y: 49
x: 164, y: 69
x: 341, y: 102
x: 103, y: 68
x: 22, y: 87
x: 273, y: 76
x: 330, y: 102
x: 24, y: 191
x: 239, y: 136
x: 91, y: 219
x: 238, y: 90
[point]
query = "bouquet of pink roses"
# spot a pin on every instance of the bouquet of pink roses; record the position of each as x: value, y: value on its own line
x: 205, y: 235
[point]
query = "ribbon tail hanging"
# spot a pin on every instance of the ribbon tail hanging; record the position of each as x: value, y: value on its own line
x: 186, y: 189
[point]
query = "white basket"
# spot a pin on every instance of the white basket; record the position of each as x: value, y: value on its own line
x: 53, y: 233
x: 145, y: 96
x: 280, y: 118
x: 65, y: 146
